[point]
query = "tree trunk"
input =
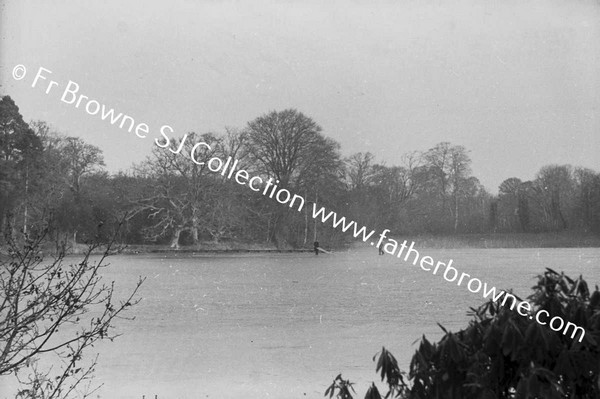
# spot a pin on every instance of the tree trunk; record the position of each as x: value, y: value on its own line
x: 26, y: 199
x: 455, y: 213
x: 278, y: 234
x: 175, y: 239
x: 195, y: 226
x: 269, y: 229
x: 523, y: 209
x: 493, y: 217
x: 305, y: 221
x: 315, y: 219
x: 194, y: 230
x: 2, y: 221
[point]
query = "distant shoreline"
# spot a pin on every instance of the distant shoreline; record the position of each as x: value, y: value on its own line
x: 459, y: 241
x: 564, y: 239
x: 194, y: 249
x: 482, y: 241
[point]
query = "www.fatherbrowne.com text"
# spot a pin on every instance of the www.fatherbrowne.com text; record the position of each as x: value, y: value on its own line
x: 71, y: 95
x: 449, y: 273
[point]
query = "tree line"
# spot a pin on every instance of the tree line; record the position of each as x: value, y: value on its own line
x: 51, y: 180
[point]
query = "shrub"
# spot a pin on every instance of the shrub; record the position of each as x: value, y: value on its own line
x: 502, y: 355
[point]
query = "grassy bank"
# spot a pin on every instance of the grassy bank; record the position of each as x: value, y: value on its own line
x: 208, y: 246
x: 499, y: 240
x: 211, y: 246
x: 508, y: 240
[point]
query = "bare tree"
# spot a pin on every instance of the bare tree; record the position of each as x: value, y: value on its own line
x: 512, y: 202
x: 587, y: 209
x: 81, y: 158
x: 460, y: 169
x: 176, y: 197
x: 438, y: 160
x: 183, y: 195
x: 359, y: 170
x: 282, y: 142
x: 53, y: 313
x: 450, y: 165
x: 289, y: 147
x: 413, y: 162
x: 557, y: 185
x: 320, y: 179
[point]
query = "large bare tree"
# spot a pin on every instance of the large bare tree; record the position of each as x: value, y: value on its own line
x: 177, y: 197
x: 289, y: 147
x: 450, y: 166
x: 282, y: 143
x: 183, y: 195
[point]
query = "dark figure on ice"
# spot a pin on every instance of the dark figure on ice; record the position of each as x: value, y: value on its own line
x: 381, y: 251
x: 316, y: 244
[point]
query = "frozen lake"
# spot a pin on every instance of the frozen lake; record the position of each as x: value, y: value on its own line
x: 284, y: 325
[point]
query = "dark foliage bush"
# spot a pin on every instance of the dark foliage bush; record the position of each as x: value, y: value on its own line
x: 501, y: 354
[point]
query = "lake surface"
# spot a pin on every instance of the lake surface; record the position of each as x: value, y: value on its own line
x: 284, y: 325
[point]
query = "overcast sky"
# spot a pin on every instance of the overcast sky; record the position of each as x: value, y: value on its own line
x: 515, y: 82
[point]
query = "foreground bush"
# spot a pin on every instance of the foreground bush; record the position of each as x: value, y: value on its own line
x: 51, y: 315
x: 502, y: 355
